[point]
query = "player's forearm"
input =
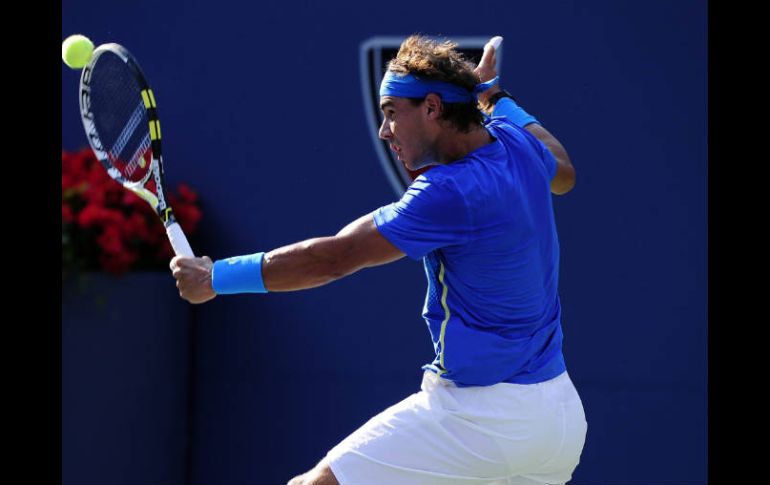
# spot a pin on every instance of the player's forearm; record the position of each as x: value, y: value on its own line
x: 306, y: 264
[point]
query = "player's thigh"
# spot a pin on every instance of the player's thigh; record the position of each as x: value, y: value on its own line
x: 418, y: 442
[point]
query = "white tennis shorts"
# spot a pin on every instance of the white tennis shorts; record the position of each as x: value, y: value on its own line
x: 505, y: 434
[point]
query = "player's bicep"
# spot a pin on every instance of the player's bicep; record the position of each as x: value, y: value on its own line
x: 364, y: 246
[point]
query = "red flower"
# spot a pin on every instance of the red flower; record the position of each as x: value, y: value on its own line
x: 113, y: 194
x: 95, y: 215
x: 67, y: 181
x: 93, y: 194
x: 111, y: 240
x: 77, y: 163
x: 133, y: 201
x: 66, y: 213
x: 105, y: 226
x: 136, y: 228
x: 188, y: 215
x: 186, y: 194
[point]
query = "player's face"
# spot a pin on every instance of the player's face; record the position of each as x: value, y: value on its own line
x: 404, y: 126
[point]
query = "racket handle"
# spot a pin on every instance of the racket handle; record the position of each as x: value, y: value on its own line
x: 178, y: 240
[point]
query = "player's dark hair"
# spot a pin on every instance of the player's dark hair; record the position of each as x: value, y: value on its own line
x: 440, y: 61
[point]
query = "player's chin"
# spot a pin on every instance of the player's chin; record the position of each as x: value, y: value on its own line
x: 408, y: 162
x: 412, y: 164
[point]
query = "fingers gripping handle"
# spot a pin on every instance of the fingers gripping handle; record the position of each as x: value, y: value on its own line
x: 178, y: 240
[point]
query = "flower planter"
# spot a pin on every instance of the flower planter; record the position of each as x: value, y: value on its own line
x: 124, y: 379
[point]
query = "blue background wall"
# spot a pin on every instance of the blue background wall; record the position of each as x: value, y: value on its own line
x: 262, y: 115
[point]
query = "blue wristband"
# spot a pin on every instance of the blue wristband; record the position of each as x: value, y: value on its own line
x: 240, y: 274
x: 507, y: 107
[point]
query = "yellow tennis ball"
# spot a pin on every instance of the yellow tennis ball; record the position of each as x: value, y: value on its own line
x: 76, y: 51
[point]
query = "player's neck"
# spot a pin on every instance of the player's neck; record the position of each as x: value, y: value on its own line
x: 454, y: 145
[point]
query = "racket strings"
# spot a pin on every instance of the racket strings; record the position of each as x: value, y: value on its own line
x: 120, y: 117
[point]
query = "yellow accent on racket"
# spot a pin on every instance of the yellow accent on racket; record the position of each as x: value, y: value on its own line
x: 155, y: 130
x: 149, y: 98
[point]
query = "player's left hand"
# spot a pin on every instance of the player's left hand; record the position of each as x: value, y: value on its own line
x: 486, y: 70
x: 193, y: 278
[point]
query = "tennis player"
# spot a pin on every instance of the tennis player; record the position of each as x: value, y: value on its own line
x: 496, y: 405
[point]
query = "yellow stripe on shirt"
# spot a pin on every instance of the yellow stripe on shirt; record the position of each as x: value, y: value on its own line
x: 446, y: 317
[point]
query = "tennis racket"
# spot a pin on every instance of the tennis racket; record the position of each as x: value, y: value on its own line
x: 121, y: 121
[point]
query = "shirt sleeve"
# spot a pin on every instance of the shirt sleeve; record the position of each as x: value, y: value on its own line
x: 506, y: 107
x: 546, y: 157
x: 548, y: 160
x: 430, y: 215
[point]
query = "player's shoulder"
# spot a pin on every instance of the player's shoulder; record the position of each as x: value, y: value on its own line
x: 503, y: 127
x: 437, y: 177
x: 440, y: 182
x: 499, y: 123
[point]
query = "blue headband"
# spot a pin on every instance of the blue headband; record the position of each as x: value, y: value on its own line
x: 410, y: 86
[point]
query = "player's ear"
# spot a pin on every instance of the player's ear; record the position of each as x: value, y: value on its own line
x: 432, y: 106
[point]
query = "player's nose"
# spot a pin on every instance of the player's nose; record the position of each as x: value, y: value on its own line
x: 385, y: 132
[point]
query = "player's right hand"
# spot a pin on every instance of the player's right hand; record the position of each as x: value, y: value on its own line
x: 193, y: 278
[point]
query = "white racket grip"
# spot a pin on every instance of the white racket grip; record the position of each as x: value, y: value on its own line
x: 178, y: 240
